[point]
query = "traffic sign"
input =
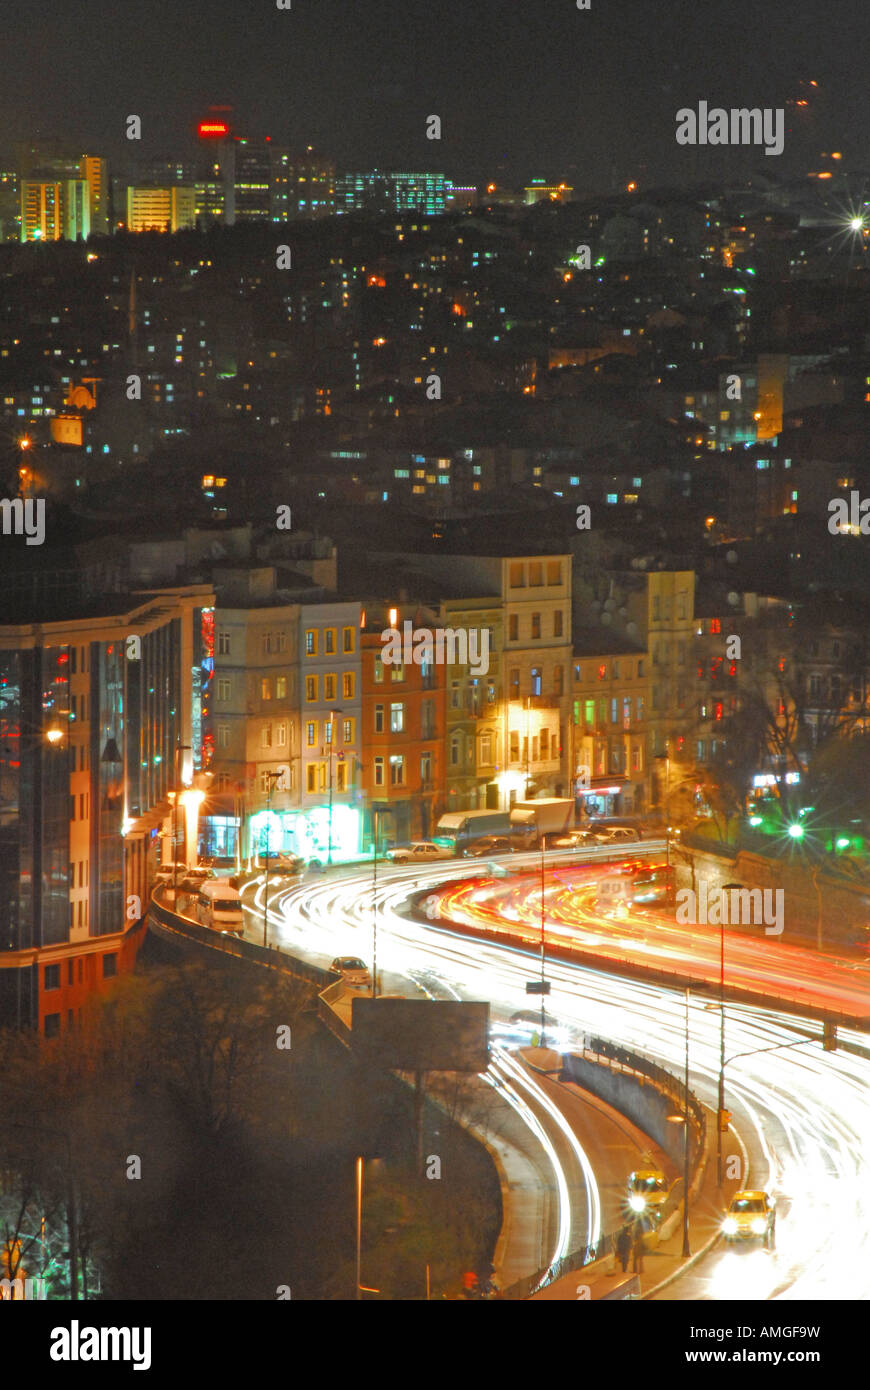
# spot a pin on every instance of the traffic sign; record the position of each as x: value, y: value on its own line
x: 538, y: 987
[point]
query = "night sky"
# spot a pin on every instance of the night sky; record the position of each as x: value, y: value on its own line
x: 535, y: 89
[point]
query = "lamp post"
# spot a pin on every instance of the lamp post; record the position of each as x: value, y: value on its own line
x: 543, y: 943
x: 359, y: 1182
x: 271, y: 779
x: 686, y: 1250
x: 721, y: 1107
x: 666, y: 759
x: 376, y: 812
x: 179, y: 749
x: 332, y: 714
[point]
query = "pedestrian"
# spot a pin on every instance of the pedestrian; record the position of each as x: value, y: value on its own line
x: 637, y: 1249
x: 623, y: 1246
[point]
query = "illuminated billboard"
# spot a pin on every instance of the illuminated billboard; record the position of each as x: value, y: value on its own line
x: 421, y: 1034
x: 213, y: 130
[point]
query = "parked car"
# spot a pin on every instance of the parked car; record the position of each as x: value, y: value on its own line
x: 751, y: 1216
x: 285, y: 865
x: 353, y: 971
x: 419, y: 852
x: 615, y: 834
x: 167, y: 872
x: 578, y: 839
x: 489, y: 844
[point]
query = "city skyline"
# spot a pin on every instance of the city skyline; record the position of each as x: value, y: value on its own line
x: 519, y: 95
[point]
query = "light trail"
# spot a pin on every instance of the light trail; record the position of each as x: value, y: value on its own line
x: 804, y: 1114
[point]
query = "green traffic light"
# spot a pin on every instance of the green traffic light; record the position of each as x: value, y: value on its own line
x: 796, y: 831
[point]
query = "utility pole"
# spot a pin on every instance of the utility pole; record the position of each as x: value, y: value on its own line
x: 543, y: 943
x: 272, y: 778
x: 725, y: 889
x: 686, y: 1250
x: 375, y: 903
x: 332, y: 714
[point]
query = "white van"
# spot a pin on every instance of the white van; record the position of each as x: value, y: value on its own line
x: 219, y: 905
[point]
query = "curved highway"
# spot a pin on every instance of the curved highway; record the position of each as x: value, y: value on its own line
x: 803, y: 1115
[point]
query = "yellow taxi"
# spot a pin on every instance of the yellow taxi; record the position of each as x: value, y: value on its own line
x: 751, y: 1216
x: 648, y: 1189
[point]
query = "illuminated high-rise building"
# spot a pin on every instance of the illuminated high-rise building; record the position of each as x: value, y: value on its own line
x: 10, y: 206
x: 160, y: 209
x: 216, y: 193
x: 52, y: 209
x: 391, y: 192
x: 252, y: 178
x: 303, y: 185
x: 94, y: 171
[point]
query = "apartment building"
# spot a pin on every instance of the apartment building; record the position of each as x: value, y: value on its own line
x: 403, y: 731
x: 610, y: 686
x: 329, y: 825
x: 106, y: 713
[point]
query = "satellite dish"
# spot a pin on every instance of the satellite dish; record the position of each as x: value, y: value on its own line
x: 733, y: 599
x: 606, y: 619
x: 623, y: 612
x: 631, y: 628
x: 610, y: 604
x: 731, y: 557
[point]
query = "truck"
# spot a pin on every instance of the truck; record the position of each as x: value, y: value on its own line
x: 458, y: 829
x: 534, y: 821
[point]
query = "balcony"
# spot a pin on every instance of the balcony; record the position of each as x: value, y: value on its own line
x: 538, y: 701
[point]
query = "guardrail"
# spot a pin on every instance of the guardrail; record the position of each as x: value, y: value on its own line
x: 272, y: 956
x: 663, y: 1080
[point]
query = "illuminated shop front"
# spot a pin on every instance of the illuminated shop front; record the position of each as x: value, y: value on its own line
x: 306, y: 833
x: 602, y: 798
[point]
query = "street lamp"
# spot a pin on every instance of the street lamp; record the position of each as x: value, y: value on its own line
x: 361, y: 1288
x: 686, y: 1250
x: 179, y: 749
x: 376, y: 812
x: 666, y: 759
x: 543, y: 943
x: 726, y: 888
x: 271, y: 779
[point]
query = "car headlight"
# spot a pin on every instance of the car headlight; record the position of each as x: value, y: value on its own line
x: 729, y: 1226
x: 759, y: 1226
x: 637, y: 1202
